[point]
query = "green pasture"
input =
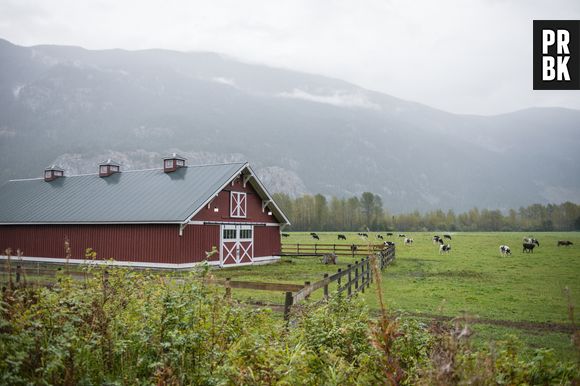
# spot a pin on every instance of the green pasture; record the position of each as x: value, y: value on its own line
x: 473, y: 280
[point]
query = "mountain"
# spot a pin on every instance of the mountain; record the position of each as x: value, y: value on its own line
x: 302, y: 132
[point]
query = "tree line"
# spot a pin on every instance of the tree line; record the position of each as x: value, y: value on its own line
x: 317, y: 212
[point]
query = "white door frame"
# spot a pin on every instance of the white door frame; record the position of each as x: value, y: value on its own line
x: 238, y: 248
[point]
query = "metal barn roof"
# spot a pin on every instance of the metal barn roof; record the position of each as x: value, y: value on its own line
x: 145, y: 196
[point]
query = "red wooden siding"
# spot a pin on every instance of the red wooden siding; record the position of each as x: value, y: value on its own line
x: 198, y: 239
x: 266, y: 241
x: 222, y: 202
x: 143, y: 243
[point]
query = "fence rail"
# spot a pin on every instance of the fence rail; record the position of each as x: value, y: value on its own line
x: 323, y: 249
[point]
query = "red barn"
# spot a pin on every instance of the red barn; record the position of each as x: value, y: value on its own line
x: 173, y: 217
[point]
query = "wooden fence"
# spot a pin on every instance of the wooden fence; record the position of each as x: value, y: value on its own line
x: 355, y: 278
x: 323, y: 249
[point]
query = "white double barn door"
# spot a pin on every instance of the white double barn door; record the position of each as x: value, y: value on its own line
x: 237, y: 244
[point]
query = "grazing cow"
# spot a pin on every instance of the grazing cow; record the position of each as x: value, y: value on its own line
x: 380, y: 237
x: 402, y: 235
x: 315, y: 236
x: 390, y: 234
x: 436, y: 239
x: 528, y: 247
x: 388, y: 243
x: 530, y: 240
x: 504, y: 250
x: 329, y: 258
x: 285, y: 235
x: 312, y: 233
x: 364, y: 235
x: 341, y: 237
x: 565, y: 243
x: 444, y: 248
x: 447, y: 237
x: 408, y: 241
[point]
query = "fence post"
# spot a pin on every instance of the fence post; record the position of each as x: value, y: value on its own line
x: 333, y: 248
x: 298, y: 248
x: 352, y: 250
x: 306, y: 285
x: 325, y: 287
x: 339, y: 281
x: 356, y: 276
x: 17, y: 274
x: 287, y: 305
x: 369, y: 273
x: 349, y: 284
x: 363, y: 275
x: 228, y: 289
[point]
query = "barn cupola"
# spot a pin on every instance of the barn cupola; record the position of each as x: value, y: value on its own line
x: 53, y: 172
x: 108, y: 167
x: 173, y: 162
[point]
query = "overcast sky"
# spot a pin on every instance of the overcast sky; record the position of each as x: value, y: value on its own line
x: 460, y: 56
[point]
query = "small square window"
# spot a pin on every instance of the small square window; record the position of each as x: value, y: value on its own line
x: 180, y: 162
x: 168, y: 163
x: 103, y: 169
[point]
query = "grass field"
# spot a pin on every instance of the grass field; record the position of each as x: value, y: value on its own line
x: 522, y: 291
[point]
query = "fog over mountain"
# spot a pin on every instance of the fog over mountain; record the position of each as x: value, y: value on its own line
x: 303, y: 133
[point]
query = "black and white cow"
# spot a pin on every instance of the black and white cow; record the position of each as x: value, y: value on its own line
x: 565, y: 243
x: 315, y: 236
x: 528, y: 247
x: 388, y: 243
x: 408, y: 241
x: 447, y: 237
x: 504, y: 250
x: 402, y: 235
x: 444, y: 248
x: 380, y: 237
x: 531, y: 240
x: 341, y: 237
x: 436, y: 239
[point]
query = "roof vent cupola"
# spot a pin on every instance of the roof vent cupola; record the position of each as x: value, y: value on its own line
x: 53, y: 172
x: 173, y: 162
x: 108, y: 167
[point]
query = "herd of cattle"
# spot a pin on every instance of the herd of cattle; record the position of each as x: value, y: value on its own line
x: 528, y: 243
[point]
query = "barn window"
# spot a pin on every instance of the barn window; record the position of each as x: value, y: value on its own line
x: 168, y: 164
x: 180, y: 162
x: 229, y: 234
x: 245, y: 233
x: 103, y: 169
x: 48, y: 174
x: 238, y: 204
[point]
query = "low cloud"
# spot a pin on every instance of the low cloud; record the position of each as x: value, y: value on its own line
x: 227, y: 81
x: 337, y: 98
